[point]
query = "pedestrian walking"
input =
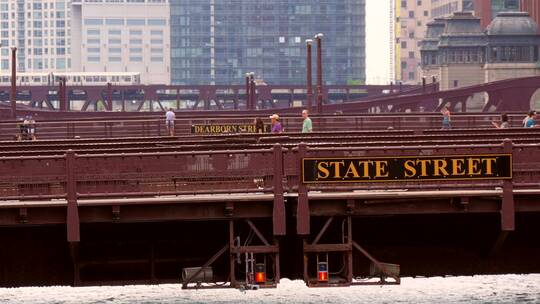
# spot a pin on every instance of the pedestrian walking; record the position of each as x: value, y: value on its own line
x: 307, y: 125
x: 169, y: 121
x: 276, y: 125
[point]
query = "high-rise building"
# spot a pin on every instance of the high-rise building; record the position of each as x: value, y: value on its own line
x: 533, y: 8
x: 40, y: 30
x: 122, y: 36
x: 218, y: 41
x: 412, y: 16
x: 487, y: 10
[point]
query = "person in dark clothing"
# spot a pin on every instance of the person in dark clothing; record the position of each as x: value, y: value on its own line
x: 259, y: 125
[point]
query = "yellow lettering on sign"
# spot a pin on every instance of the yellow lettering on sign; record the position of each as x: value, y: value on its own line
x: 489, y: 164
x: 474, y: 168
x: 381, y: 168
x: 352, y: 170
x: 337, y: 168
x: 457, y: 166
x: 423, y: 166
x: 322, y: 167
x: 410, y: 170
x: 365, y: 164
x: 439, y: 167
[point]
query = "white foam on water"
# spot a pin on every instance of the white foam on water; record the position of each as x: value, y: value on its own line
x: 477, y: 289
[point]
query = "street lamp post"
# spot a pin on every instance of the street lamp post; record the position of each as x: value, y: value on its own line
x: 309, y: 76
x: 318, y: 37
x: 252, y: 92
x: 248, y: 95
x: 13, y: 95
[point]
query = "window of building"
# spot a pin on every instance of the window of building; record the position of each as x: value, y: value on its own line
x: 403, y: 65
x: 403, y: 44
x: 115, y: 59
x: 135, y: 58
x: 411, y: 55
x: 136, y: 22
x: 92, y: 58
x: 426, y: 13
x: 114, y: 21
x: 115, y: 32
x: 404, y: 4
x: 92, y: 32
x: 157, y: 22
x: 411, y: 76
x: 419, y: 2
x: 93, y: 21
x: 411, y: 14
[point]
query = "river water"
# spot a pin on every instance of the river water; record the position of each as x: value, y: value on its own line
x: 478, y: 289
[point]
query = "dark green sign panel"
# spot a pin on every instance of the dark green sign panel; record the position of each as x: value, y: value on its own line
x: 407, y: 168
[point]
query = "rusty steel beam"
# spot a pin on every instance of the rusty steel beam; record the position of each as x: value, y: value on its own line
x: 13, y: 95
x: 257, y: 232
x: 323, y: 230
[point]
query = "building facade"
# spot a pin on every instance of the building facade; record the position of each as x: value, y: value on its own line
x: 533, y: 8
x: 444, y: 8
x: 464, y: 54
x: 487, y: 10
x: 218, y: 41
x: 122, y: 36
x: 412, y: 17
x: 41, y: 32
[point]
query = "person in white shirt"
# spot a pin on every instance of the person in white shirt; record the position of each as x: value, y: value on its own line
x: 169, y: 121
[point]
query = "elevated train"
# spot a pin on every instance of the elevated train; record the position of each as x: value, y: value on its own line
x: 73, y: 78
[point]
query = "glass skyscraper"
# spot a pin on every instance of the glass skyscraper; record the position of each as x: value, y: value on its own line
x: 218, y: 41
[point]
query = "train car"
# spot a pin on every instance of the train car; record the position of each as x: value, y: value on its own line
x: 73, y: 78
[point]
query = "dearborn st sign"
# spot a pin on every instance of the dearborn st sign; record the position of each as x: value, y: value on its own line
x: 225, y: 129
x: 407, y: 168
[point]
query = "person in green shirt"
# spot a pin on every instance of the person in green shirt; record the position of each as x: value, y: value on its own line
x: 307, y: 126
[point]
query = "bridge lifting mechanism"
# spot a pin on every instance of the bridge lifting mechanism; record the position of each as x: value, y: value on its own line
x: 253, y: 261
x: 334, y: 261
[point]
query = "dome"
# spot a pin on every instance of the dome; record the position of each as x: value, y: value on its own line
x: 512, y: 23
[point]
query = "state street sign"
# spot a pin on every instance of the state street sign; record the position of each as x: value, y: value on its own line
x: 407, y: 168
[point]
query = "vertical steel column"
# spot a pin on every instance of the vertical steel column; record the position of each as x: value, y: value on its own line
x: 508, y: 207
x: 248, y: 93
x: 349, y: 253
x: 318, y: 37
x: 309, y: 75
x: 278, y: 217
x: 109, y: 97
x: 232, y: 260
x: 302, y: 211
x: 253, y: 92
x: 72, y: 220
x: 13, y: 95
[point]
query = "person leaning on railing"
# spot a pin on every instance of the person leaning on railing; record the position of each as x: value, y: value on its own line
x: 530, y: 120
x: 503, y: 124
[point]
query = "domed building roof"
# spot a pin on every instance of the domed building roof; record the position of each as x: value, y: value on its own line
x: 512, y: 23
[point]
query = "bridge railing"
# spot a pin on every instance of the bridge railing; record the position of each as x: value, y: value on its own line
x: 183, y: 126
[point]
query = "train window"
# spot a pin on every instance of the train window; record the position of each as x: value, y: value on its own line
x: 36, y: 79
x: 88, y: 78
